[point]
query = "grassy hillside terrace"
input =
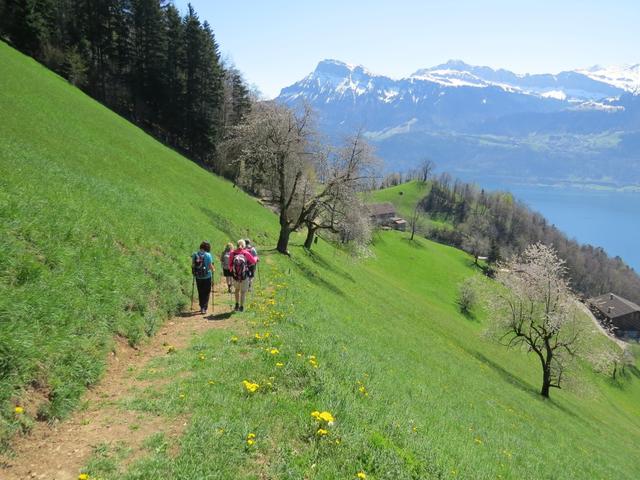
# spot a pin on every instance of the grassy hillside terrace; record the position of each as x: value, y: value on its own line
x: 349, y: 366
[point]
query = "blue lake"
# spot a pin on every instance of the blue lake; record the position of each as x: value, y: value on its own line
x: 608, y: 219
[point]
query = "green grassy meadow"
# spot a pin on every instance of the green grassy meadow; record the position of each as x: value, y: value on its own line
x: 97, y: 222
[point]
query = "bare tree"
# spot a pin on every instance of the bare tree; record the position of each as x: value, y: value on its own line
x: 427, y: 166
x: 277, y: 155
x: 341, y: 174
x: 536, y: 311
x: 476, y: 239
x: 417, y: 214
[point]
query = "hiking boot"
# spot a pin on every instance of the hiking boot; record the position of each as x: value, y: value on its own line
x: 237, y: 307
x: 242, y: 308
x: 228, y: 288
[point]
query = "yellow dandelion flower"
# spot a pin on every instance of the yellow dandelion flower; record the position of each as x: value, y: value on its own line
x: 171, y: 349
x: 202, y: 356
x: 250, y: 442
x: 326, y: 417
x: 18, y: 410
x: 279, y: 364
x: 322, y: 432
x: 361, y: 475
x: 274, y: 351
x: 257, y: 336
x: 83, y: 476
x: 234, y: 339
x: 250, y: 387
x: 250, y: 436
x: 337, y: 441
x: 363, y: 390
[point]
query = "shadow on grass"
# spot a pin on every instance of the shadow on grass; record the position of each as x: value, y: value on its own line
x: 316, y: 279
x: 321, y: 262
x: 188, y: 314
x: 415, y: 243
x: 221, y: 223
x: 524, y: 386
x: 504, y: 373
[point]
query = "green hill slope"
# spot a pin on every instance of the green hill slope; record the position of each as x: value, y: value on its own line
x: 97, y: 222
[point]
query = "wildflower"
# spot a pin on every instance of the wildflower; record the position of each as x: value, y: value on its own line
x: 363, y: 390
x: 257, y: 336
x: 279, y: 364
x: 83, y: 476
x: 478, y: 441
x: 250, y: 387
x: 322, y: 432
x: 211, y: 382
x: 299, y: 355
x: 267, y: 335
x: 234, y: 339
x: 274, y: 351
x: 361, y: 475
x: 18, y: 410
x: 325, y: 417
x: 171, y: 349
x: 201, y: 356
x: 313, y: 362
x: 182, y: 395
x: 251, y: 439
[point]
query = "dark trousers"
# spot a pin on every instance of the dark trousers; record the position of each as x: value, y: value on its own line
x: 204, y: 290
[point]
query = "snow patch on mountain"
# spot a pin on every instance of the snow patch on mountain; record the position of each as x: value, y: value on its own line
x: 626, y: 77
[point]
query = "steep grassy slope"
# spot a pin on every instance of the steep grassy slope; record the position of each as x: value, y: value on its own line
x: 97, y: 222
x: 94, y: 214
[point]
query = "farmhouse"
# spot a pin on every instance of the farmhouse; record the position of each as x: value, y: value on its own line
x: 384, y: 215
x: 617, y: 313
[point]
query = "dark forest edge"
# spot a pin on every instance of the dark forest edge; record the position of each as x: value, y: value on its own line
x: 143, y: 60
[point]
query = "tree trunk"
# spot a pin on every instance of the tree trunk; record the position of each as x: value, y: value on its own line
x: 546, y: 380
x: 309, y: 240
x: 285, y: 232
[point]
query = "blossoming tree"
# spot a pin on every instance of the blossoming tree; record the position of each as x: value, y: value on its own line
x: 536, y: 311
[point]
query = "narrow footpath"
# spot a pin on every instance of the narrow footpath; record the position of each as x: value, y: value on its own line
x: 58, y: 451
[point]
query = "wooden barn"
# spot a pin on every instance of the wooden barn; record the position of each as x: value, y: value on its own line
x: 382, y: 213
x: 617, y: 313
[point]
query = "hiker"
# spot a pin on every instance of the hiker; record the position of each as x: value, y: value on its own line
x: 224, y: 261
x: 252, y: 268
x: 239, y: 262
x: 202, y: 267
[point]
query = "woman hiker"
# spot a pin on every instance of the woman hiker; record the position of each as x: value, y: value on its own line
x: 239, y: 263
x: 252, y: 268
x: 202, y: 267
x: 224, y: 261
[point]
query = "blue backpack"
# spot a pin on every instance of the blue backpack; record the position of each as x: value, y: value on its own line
x: 199, y: 266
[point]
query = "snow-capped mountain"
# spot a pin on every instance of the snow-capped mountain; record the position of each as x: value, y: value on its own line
x: 478, y: 117
x: 626, y: 77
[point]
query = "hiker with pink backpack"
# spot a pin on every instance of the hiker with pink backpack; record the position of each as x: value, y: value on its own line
x: 239, y: 262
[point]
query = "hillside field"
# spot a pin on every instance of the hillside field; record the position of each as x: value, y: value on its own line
x: 97, y: 222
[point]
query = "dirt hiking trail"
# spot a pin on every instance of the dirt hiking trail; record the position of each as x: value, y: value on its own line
x: 58, y: 451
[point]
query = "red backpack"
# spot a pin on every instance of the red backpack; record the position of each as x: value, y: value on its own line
x: 240, y: 267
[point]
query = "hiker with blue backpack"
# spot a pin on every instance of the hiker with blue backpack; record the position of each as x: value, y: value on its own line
x: 239, y: 262
x: 203, y: 268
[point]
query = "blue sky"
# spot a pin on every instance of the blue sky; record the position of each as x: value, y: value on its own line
x: 277, y: 42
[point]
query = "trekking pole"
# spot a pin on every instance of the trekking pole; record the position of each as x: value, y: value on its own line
x: 193, y: 285
x: 259, y: 277
x: 213, y: 292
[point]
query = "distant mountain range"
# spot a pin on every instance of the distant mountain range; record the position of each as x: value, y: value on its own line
x: 579, y: 126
